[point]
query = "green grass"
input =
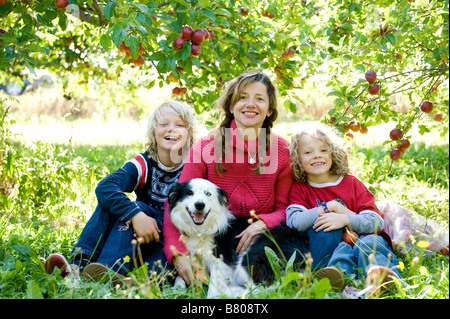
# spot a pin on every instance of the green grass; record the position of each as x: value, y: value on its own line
x: 53, y: 197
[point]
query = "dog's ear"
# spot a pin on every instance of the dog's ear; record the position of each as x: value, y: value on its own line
x: 222, y: 195
x: 174, y: 194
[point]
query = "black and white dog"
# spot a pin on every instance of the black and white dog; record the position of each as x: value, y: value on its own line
x: 198, y: 208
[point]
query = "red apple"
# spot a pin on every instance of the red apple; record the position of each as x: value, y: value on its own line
x: 332, y: 120
x: 374, y: 89
x: 198, y: 36
x: 176, y: 91
x: 438, y: 117
x: 124, y: 49
x: 346, y: 127
x: 284, y: 55
x: 444, y: 251
x: 395, y: 154
x: 196, y: 50
x: 178, y: 44
x: 139, y: 61
x: 396, y: 134
x: 291, y: 52
x: 405, y: 144
x: 364, y: 130
x: 349, y: 136
x: 211, y: 35
x: 141, y: 49
x: 370, y: 76
x: 244, y: 12
x: 426, y: 107
x: 183, y: 90
x: 350, y: 237
x: 186, y: 32
x: 62, y: 4
x: 355, y: 126
x: 3, y: 2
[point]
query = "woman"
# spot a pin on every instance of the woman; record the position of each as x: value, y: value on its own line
x: 245, y: 159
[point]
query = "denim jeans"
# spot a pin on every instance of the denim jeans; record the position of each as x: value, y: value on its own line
x: 322, y: 245
x: 368, y: 250
x: 107, y: 240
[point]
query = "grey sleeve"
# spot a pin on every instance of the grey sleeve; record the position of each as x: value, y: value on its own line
x: 366, y: 222
x: 300, y: 218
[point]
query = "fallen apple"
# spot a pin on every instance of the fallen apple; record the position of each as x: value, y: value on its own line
x: 350, y: 237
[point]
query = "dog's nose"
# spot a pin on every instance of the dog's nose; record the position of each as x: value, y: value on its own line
x: 199, y: 205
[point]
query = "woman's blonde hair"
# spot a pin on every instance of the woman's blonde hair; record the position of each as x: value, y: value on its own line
x: 178, y: 108
x: 230, y: 97
x: 330, y: 137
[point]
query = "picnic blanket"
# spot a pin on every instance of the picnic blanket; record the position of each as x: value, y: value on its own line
x: 408, y: 229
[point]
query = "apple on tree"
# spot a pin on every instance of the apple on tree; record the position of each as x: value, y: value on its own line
x: 62, y: 4
x: 186, y: 32
x: 370, y: 76
x: 396, y: 134
x: 438, y: 117
x: 178, y: 44
x: 374, y: 89
x: 395, y: 154
x: 196, y: 50
x: 426, y: 107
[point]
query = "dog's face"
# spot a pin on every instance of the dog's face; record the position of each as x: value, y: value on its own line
x: 199, y: 207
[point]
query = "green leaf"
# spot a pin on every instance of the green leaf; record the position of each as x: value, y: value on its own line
x: 34, y: 291
x: 119, y: 35
x: 108, y: 10
x: 360, y: 67
x: 322, y: 287
x: 141, y: 7
x: 222, y: 11
x: 105, y: 42
x: 274, y: 261
x: 204, y: 3
x: 184, y: 3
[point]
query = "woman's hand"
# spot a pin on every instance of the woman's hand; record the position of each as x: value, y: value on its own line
x: 145, y: 227
x: 248, y: 235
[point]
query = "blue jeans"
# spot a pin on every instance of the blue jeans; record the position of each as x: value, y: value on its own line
x: 355, y: 260
x: 322, y: 245
x: 107, y: 240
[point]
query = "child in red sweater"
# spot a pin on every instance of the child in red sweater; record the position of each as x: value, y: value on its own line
x: 325, y: 199
x: 245, y: 159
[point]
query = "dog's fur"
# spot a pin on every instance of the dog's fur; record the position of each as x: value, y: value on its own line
x: 198, y: 208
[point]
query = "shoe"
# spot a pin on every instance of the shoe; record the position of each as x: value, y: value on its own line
x: 335, y: 276
x: 380, y: 279
x: 57, y: 261
x: 95, y: 272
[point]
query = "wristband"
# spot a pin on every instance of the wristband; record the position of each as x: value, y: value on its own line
x: 324, y: 205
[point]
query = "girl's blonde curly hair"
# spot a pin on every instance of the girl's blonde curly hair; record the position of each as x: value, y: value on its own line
x: 180, y: 109
x: 331, y: 138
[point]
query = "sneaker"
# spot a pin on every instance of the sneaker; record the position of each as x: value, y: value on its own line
x: 380, y: 279
x: 57, y: 261
x: 95, y: 272
x: 335, y: 276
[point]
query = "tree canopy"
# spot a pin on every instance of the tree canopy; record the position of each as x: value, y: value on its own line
x: 326, y: 46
